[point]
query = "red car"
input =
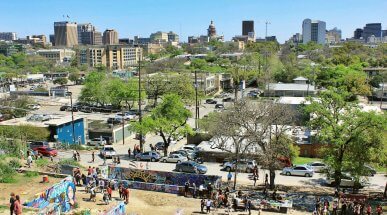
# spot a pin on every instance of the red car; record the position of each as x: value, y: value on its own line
x: 46, y: 151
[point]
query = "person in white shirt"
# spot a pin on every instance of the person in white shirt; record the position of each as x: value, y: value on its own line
x: 208, y: 204
x: 29, y: 161
x: 201, y: 188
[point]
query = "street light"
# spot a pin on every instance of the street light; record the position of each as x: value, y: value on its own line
x: 139, y: 105
x: 72, y: 115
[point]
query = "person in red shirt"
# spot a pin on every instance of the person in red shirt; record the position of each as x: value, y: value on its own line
x: 379, y: 210
x: 109, y: 191
x: 125, y: 192
x: 89, y: 171
x: 369, y: 209
x: 18, y: 206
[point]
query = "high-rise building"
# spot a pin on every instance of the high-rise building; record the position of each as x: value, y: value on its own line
x: 313, y: 30
x: 52, y: 39
x: 111, y: 56
x: 370, y: 29
x: 173, y: 37
x: 333, y: 36
x: 357, y: 34
x: 159, y: 37
x: 87, y: 35
x: 8, y: 36
x: 66, y: 34
x: 247, y: 27
x: 110, y: 37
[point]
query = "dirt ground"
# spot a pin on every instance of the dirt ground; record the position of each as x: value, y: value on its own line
x: 140, y: 203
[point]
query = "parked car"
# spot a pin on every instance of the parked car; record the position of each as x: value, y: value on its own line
x: 149, y: 156
x: 318, y: 166
x: 96, y: 142
x: 107, y: 151
x: 174, y: 158
x: 346, y: 181
x: 243, y: 165
x: 33, y: 106
x: 32, y: 88
x: 46, y: 151
x: 68, y: 108
x: 300, y: 170
x: 36, y: 144
x: 86, y: 109
x: 370, y: 171
x: 252, y: 94
x: 126, y: 116
x: 219, y: 106
x: 190, y: 147
x: 227, y: 99
x: 114, y: 120
x: 211, y: 101
x: 159, y: 146
x: 191, y: 167
x: 184, y: 153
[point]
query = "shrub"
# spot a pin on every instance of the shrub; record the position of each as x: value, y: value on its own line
x: 6, y: 173
x: 15, y: 163
x: 31, y: 174
x: 70, y: 162
x: 41, y: 162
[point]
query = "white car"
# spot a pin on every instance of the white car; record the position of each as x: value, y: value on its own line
x: 126, y: 116
x: 108, y: 151
x: 190, y: 147
x: 96, y: 142
x: 346, y: 181
x: 174, y: 158
x: 34, y: 106
x: 318, y: 166
x: 301, y: 170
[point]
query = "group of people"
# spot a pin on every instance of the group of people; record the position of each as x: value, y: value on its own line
x: 15, y: 205
x: 76, y: 156
x: 136, y: 150
x: 344, y: 206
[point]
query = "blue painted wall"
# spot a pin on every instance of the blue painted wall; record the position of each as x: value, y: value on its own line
x: 65, y: 132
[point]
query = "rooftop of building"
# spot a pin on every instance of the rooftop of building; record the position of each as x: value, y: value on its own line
x: 54, y: 120
x: 292, y: 100
x: 291, y: 87
x: 300, y: 78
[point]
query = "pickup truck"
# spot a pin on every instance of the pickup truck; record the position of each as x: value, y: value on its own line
x: 107, y: 151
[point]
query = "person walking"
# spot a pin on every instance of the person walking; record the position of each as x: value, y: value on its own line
x: 201, y: 189
x: 202, y: 204
x: 249, y: 206
x: 109, y: 191
x: 104, y: 161
x: 379, y: 210
x: 266, y: 179
x: 78, y: 156
x: 255, y: 179
x: 194, y: 190
x: 129, y: 152
x: 126, y: 193
x: 186, y: 188
x: 18, y: 207
x: 92, y: 157
x: 208, y: 205
x: 369, y: 209
x: 29, y: 161
x: 12, y: 200
x: 229, y: 177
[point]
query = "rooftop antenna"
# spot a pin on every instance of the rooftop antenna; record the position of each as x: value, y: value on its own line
x: 266, y: 23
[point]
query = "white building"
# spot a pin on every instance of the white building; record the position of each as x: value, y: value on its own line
x: 57, y: 55
x: 313, y: 30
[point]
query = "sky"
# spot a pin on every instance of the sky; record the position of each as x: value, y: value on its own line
x: 187, y: 18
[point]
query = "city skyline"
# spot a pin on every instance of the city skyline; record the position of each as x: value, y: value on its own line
x: 186, y: 19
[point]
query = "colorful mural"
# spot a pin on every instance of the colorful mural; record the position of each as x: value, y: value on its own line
x: 61, y: 194
x: 119, y: 209
x: 160, y: 177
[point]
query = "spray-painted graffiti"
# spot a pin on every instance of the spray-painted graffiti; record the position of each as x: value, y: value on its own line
x: 116, y: 210
x: 159, y: 177
x: 62, y: 194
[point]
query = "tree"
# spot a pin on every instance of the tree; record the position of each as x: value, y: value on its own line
x: 74, y: 76
x: 61, y: 81
x: 168, y: 120
x: 251, y: 129
x: 350, y: 134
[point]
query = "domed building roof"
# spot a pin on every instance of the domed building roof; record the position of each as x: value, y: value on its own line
x: 211, y: 31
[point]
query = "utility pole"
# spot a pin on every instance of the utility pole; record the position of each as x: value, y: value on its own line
x: 266, y: 23
x: 72, y: 115
x: 139, y: 104
x: 196, y: 102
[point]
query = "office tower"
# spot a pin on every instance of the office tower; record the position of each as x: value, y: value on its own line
x: 370, y: 29
x: 333, y: 36
x: 159, y: 37
x: 52, y: 39
x: 247, y: 27
x: 110, y: 37
x: 313, y: 30
x: 66, y: 34
x: 8, y: 36
x: 357, y: 34
x: 87, y: 35
x: 173, y: 37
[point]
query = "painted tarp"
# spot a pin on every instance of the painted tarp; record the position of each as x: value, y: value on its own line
x: 161, y: 177
x: 118, y: 209
x: 62, y: 194
x: 51, y: 209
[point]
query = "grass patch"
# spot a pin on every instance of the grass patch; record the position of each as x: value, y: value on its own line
x: 41, y: 162
x: 31, y: 174
x: 69, y: 161
x: 304, y: 160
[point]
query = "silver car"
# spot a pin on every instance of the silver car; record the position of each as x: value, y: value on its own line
x: 301, y: 170
x: 174, y: 158
x: 317, y: 166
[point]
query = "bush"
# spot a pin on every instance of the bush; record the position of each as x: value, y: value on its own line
x: 70, y: 162
x: 6, y: 173
x: 15, y: 163
x: 31, y: 174
x: 41, y: 162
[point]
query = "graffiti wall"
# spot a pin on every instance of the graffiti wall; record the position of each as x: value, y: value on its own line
x: 60, y: 195
x: 160, y: 177
x: 116, y: 210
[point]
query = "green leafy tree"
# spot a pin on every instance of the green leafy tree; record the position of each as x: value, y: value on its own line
x: 61, y: 81
x: 351, y: 135
x: 168, y: 120
x: 74, y: 76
